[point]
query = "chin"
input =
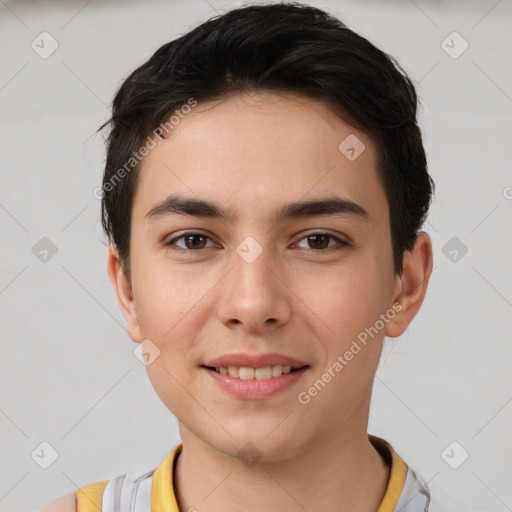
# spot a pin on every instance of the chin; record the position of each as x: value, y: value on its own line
x: 256, y: 444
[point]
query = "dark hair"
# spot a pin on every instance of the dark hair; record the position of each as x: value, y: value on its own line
x: 289, y: 47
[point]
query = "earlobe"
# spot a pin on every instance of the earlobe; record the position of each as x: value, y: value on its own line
x: 122, y: 288
x: 411, y: 285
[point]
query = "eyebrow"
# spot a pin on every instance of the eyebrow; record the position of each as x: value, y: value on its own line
x: 330, y: 206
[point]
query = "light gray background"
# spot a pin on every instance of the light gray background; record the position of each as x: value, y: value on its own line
x: 68, y: 373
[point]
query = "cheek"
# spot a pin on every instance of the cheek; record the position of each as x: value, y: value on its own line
x: 171, y: 315
x: 346, y: 299
x: 170, y: 299
x: 169, y: 385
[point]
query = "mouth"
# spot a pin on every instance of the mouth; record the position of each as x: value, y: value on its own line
x: 249, y: 373
x: 248, y: 383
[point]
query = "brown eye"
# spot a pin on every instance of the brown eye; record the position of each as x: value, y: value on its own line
x: 319, y: 242
x: 191, y: 242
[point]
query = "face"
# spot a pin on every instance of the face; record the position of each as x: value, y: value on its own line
x: 302, y: 286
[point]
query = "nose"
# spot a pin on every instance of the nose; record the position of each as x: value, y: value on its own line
x: 254, y: 297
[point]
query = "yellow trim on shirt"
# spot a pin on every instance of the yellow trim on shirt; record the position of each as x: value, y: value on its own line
x: 163, y: 496
x: 397, y: 475
x: 89, y: 497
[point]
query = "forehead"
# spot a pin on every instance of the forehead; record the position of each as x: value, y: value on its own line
x: 254, y: 152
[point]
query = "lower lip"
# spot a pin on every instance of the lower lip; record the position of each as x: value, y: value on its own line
x: 255, y: 388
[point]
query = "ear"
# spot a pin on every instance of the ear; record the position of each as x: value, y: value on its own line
x: 123, y: 290
x: 411, y: 285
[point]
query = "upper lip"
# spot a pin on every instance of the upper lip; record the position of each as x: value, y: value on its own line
x: 254, y: 361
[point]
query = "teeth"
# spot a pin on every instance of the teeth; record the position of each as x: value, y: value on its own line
x: 232, y: 371
x: 263, y: 373
x: 247, y: 373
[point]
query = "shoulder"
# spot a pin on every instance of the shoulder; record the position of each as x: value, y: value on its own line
x: 65, y: 503
x: 87, y: 499
x: 441, y: 501
x: 120, y: 492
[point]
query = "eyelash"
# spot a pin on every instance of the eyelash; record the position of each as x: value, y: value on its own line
x: 341, y: 243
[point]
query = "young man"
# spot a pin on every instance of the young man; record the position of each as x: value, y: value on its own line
x: 264, y: 188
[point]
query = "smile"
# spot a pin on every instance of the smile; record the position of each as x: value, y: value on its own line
x: 247, y: 373
x: 255, y: 383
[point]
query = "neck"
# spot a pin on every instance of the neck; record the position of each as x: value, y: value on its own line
x: 341, y: 473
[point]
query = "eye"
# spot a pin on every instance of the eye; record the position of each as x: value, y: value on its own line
x: 193, y: 241
x: 320, y: 241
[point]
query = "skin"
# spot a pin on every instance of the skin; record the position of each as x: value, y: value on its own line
x: 254, y: 153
